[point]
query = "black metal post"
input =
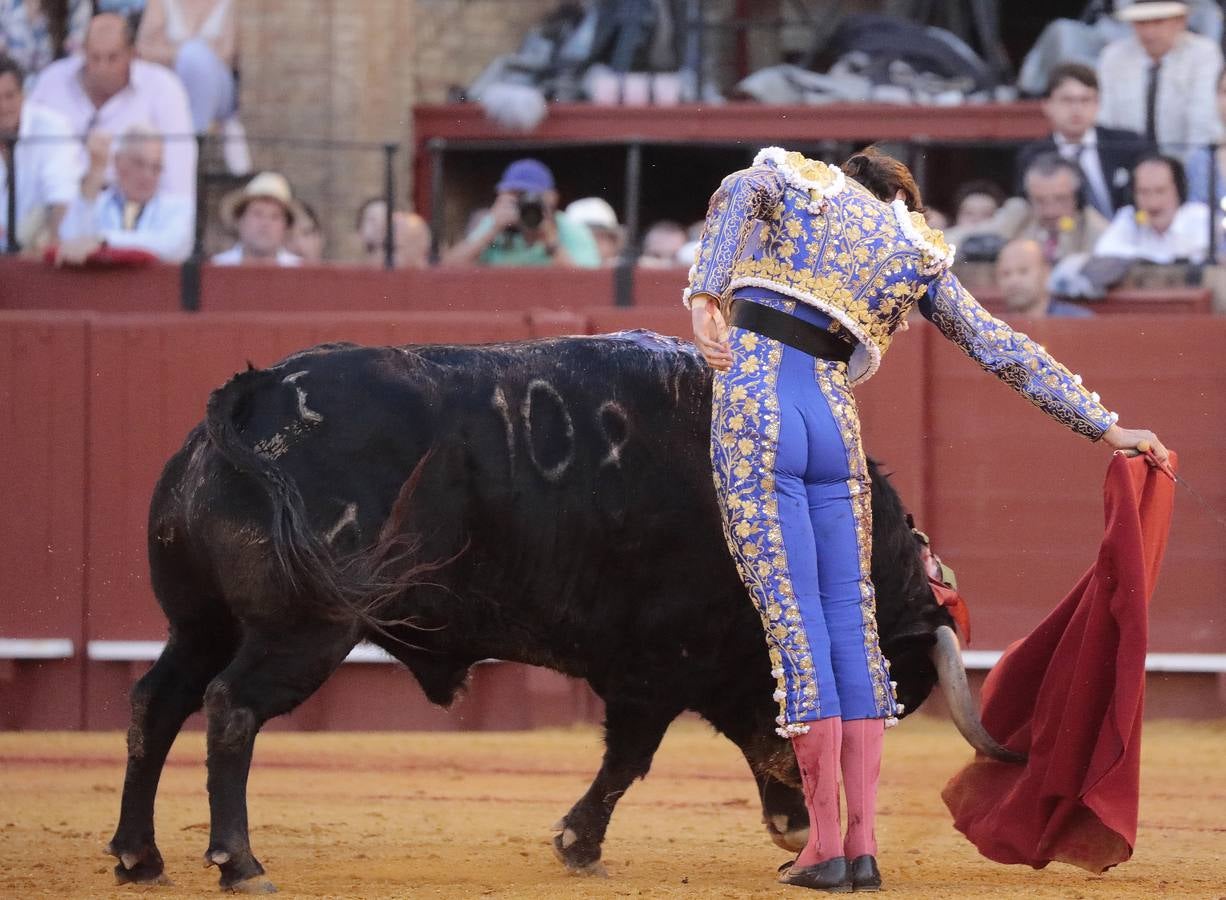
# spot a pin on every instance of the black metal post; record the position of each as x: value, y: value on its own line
x: 389, y: 198
x: 623, y: 278
x: 438, y: 150
x: 189, y: 272
x: 1216, y: 212
x: 11, y: 245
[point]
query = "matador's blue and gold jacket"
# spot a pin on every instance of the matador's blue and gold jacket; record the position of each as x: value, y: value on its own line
x: 802, y: 228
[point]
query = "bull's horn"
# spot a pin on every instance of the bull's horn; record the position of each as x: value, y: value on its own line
x: 947, y: 657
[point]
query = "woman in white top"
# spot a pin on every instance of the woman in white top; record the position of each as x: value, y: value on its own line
x: 199, y: 40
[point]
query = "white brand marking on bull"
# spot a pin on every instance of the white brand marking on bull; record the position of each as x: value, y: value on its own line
x: 504, y: 410
x: 608, y: 411
x: 304, y: 413
x: 348, y: 517
x: 554, y: 472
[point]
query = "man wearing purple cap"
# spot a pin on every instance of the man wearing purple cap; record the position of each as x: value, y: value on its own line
x: 524, y: 226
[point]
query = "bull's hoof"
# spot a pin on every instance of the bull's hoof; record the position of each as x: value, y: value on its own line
x: 138, y: 864
x: 792, y: 840
x: 240, y: 871
x: 578, y: 857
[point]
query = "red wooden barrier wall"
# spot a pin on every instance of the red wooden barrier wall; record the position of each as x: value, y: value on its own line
x: 92, y: 405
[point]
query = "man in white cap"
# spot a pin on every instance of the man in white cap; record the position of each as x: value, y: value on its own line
x: 601, y: 221
x: 262, y: 213
x: 1160, y: 82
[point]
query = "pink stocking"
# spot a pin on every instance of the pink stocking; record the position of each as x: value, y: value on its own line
x: 862, y: 743
x: 818, y: 755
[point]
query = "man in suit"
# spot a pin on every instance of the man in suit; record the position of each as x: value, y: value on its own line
x: 1106, y: 156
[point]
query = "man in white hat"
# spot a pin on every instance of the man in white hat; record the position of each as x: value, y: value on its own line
x: 601, y: 221
x: 1161, y: 81
x: 262, y: 213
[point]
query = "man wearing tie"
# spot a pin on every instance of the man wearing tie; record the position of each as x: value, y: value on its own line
x: 132, y: 213
x: 1104, y: 155
x: 1161, y: 81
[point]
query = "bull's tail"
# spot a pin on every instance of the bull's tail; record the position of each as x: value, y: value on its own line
x: 339, y: 589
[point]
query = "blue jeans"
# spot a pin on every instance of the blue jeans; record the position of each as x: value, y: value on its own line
x: 208, y: 81
x: 793, y: 487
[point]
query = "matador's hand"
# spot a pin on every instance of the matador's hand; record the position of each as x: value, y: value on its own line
x: 1137, y: 441
x: 710, y: 332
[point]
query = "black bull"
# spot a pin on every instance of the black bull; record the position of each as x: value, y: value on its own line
x: 548, y: 502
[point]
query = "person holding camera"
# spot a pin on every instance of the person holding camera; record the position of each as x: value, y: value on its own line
x: 524, y: 226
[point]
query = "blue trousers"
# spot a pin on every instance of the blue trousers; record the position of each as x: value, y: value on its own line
x: 794, y: 491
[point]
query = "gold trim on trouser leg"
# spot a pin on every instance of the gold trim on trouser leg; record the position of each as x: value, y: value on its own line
x: 832, y: 379
x: 745, y: 439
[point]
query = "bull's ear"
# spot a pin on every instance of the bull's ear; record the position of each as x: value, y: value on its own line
x: 250, y: 366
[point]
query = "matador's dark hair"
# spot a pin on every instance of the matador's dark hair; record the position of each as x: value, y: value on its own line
x: 884, y: 176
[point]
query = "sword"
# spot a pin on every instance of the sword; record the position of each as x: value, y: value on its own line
x: 1144, y: 449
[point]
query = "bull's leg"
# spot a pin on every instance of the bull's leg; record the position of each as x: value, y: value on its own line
x: 167, y: 694
x: 633, y: 732
x: 272, y: 673
x: 783, y: 812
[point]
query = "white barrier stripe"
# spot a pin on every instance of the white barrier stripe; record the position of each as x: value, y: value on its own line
x: 1154, y: 662
x: 148, y: 651
x: 36, y: 648
x: 142, y: 651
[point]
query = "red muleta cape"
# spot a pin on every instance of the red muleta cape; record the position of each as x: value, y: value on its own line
x: 1071, y: 695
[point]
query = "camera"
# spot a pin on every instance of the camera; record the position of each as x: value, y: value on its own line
x: 531, y: 210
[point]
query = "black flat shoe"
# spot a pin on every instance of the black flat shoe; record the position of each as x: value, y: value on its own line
x: 831, y: 876
x: 865, y: 876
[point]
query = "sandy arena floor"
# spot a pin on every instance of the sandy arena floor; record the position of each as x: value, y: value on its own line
x: 458, y: 815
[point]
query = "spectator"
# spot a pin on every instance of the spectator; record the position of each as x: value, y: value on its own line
x: 197, y: 39
x: 663, y: 244
x: 1023, y: 273
x: 1106, y: 155
x: 1159, y: 82
x: 262, y: 213
x: 976, y: 202
x: 1164, y: 226
x: 109, y: 90
x: 1053, y: 212
x: 525, y: 227
x: 132, y: 213
x: 48, y: 164
x: 410, y: 236
x: 935, y: 218
x: 601, y: 220
x: 1201, y: 162
x: 306, y: 238
x: 36, y: 32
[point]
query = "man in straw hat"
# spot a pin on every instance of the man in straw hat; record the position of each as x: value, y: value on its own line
x: 262, y: 214
x: 1161, y: 81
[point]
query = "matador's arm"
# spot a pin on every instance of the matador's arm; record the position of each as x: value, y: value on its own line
x: 741, y: 199
x: 1013, y: 358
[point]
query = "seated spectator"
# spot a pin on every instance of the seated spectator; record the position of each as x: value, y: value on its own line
x: 132, y: 213
x: 262, y: 213
x: 601, y: 220
x: 935, y: 218
x: 48, y: 163
x: 36, y: 32
x: 197, y: 39
x: 1106, y: 155
x: 1053, y: 213
x: 525, y: 227
x: 662, y: 245
x: 306, y: 238
x: 976, y: 202
x: 1023, y: 273
x: 410, y: 236
x: 1164, y: 226
x: 1160, y: 81
x: 109, y: 90
x: 1202, y: 161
